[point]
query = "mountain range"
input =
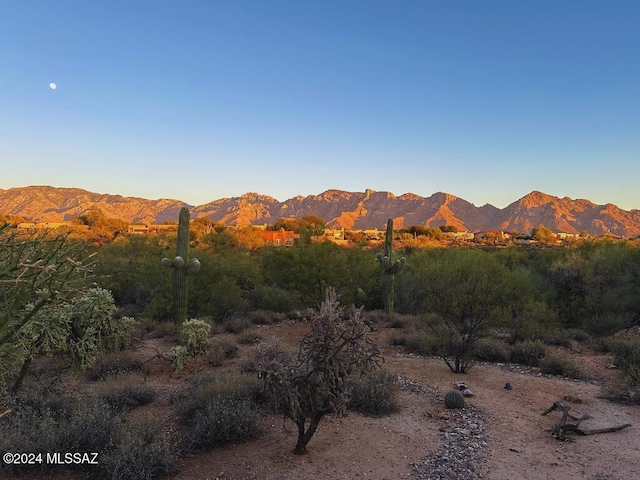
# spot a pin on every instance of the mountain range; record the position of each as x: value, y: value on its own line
x: 340, y: 209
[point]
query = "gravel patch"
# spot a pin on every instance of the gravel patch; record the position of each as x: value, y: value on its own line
x: 462, y: 454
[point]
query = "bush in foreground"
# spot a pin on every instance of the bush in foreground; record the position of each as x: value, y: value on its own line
x: 375, y: 394
x: 626, y: 354
x: 529, y: 352
x: 43, y: 421
x: 124, y: 393
x: 555, y: 365
x: 140, y: 451
x: 217, y: 410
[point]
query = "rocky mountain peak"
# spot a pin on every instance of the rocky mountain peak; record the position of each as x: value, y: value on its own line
x: 340, y: 209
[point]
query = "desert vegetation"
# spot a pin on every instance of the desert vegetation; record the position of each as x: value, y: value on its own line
x: 89, y: 344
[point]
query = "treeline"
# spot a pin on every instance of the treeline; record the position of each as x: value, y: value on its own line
x: 595, y: 286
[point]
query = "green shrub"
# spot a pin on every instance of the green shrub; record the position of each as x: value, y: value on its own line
x: 273, y: 299
x: 555, y: 365
x: 76, y: 332
x: 491, y: 350
x: 602, y: 344
x: 236, y: 324
x: 375, y: 394
x: 564, y: 337
x: 125, y: 393
x: 140, y: 451
x: 218, y: 410
x: 421, y: 343
x: 529, y: 352
x: 604, y: 325
x: 626, y: 354
x: 113, y: 364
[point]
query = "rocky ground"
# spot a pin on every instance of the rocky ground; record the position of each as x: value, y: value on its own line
x: 500, y: 434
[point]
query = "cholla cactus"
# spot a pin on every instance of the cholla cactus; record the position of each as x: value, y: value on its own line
x: 182, y: 267
x: 389, y: 269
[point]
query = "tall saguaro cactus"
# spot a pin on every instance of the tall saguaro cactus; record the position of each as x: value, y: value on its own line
x: 389, y: 269
x: 182, y: 267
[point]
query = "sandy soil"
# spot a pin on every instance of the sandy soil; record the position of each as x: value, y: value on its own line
x: 519, y: 444
x: 519, y: 441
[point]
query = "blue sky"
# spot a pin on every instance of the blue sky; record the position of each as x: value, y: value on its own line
x: 199, y: 100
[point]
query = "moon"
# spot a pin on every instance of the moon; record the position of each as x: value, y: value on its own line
x: 53, y: 86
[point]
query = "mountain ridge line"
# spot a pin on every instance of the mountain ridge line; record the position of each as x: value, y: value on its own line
x: 339, y: 208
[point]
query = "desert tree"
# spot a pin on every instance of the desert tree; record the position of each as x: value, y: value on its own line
x: 543, y: 234
x: 318, y: 381
x: 36, y: 270
x: 469, y: 292
x: 76, y: 331
x: 41, y: 278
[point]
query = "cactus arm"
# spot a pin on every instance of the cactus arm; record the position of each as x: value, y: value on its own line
x: 388, y: 239
x: 193, y: 267
x: 167, y: 262
x: 396, y: 267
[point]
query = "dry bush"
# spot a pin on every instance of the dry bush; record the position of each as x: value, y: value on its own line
x: 335, y: 350
x: 113, y: 364
x: 221, y: 349
x: 125, y: 392
x: 491, y: 350
x: 529, y: 352
x: 218, y: 409
x: 140, y: 451
x: 375, y: 394
x: 556, y: 365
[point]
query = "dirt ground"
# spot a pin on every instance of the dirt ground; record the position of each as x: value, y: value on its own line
x: 519, y: 443
x: 519, y: 440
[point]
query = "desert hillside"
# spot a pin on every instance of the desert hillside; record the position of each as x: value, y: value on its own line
x: 340, y: 209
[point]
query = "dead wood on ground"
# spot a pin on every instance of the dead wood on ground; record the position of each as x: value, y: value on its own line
x: 561, y: 430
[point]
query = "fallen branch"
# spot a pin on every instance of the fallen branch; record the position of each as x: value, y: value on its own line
x: 561, y: 429
x: 159, y: 354
x: 6, y: 412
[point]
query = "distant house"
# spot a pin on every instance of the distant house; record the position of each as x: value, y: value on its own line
x: 41, y: 226
x: 279, y: 238
x: 493, y: 233
x: 566, y: 236
x: 334, y: 233
x: 138, y: 228
x: 460, y: 235
x: 373, y: 234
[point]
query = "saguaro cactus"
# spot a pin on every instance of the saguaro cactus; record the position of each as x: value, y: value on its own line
x: 182, y: 267
x: 389, y: 269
